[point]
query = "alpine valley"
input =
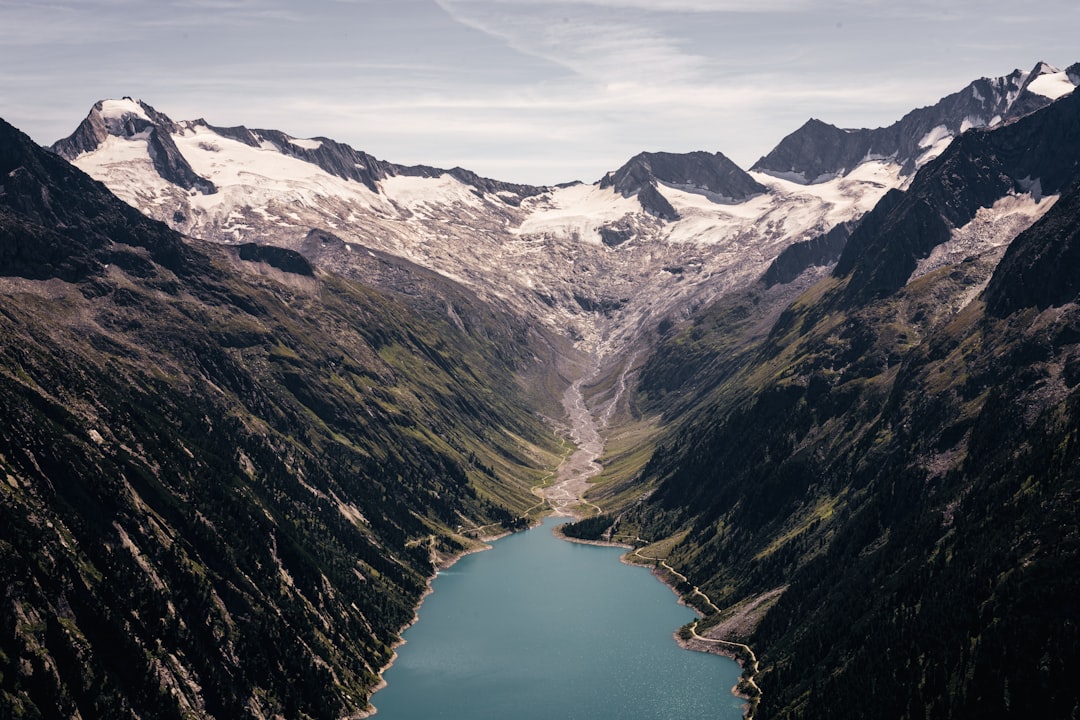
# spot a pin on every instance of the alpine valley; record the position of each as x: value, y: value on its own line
x: 257, y: 388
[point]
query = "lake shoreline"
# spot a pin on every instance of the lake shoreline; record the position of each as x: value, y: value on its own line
x: 693, y: 644
x: 445, y: 563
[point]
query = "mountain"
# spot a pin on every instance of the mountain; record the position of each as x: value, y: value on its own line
x: 879, y: 489
x: 842, y: 412
x: 818, y: 151
x: 713, y: 175
x: 603, y: 265
x: 228, y: 474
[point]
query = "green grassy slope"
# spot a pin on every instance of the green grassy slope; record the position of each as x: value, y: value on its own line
x: 897, y: 459
x: 225, y: 476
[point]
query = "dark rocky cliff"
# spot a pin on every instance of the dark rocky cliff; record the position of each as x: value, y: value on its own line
x: 819, y: 151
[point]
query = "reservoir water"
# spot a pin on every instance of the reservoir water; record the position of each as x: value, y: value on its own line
x: 540, y: 629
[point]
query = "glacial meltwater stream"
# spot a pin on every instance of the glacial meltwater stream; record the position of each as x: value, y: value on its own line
x: 543, y: 629
x: 540, y: 628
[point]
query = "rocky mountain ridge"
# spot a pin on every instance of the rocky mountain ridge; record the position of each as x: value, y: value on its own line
x: 603, y: 264
x: 819, y: 151
x: 888, y: 473
x: 228, y: 476
x: 838, y: 445
x: 713, y: 175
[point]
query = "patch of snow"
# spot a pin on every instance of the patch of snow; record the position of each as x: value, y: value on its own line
x: 789, y: 175
x: 991, y: 228
x: 1014, y: 92
x: 126, y: 163
x: 972, y: 121
x: 977, y: 95
x: 258, y: 176
x: 306, y: 143
x: 692, y: 189
x: 576, y: 212
x: 854, y: 194
x: 935, y: 143
x: 791, y: 211
x: 1052, y: 85
x: 117, y: 109
x: 416, y: 193
x: 935, y: 136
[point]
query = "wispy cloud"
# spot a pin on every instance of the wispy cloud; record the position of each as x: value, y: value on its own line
x: 583, y: 38
x: 517, y: 88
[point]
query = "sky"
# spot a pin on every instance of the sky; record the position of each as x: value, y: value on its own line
x: 530, y: 91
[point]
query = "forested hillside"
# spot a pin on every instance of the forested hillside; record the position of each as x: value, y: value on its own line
x: 227, y: 475
x: 896, y: 459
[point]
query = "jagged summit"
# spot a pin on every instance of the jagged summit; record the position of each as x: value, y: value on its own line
x: 134, y: 121
x: 709, y: 174
x: 818, y: 151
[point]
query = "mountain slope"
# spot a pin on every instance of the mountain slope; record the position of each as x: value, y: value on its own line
x: 818, y: 151
x: 603, y: 264
x: 1039, y: 156
x: 881, y: 492
x: 227, y: 474
x: 700, y: 172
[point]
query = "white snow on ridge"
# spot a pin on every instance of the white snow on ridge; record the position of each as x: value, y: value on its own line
x: 417, y: 192
x: 848, y: 196
x: 935, y: 136
x: 579, y: 210
x: 972, y: 121
x: 117, y: 109
x: 935, y: 143
x: 991, y: 228
x: 225, y: 161
x: 1053, y: 85
x: 537, y: 255
x: 306, y: 143
x: 125, y: 164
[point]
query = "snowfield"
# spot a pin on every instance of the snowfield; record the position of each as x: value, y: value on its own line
x: 587, y: 262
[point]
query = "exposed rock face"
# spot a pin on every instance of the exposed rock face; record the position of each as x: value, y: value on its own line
x: 285, y: 260
x: 1039, y: 269
x: 225, y: 478
x: 1039, y: 154
x: 129, y: 119
x: 818, y: 151
x: 821, y: 251
x: 68, y: 223
x: 702, y: 172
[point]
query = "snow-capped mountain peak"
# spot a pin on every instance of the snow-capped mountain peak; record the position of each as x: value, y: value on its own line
x: 602, y: 264
x: 818, y: 151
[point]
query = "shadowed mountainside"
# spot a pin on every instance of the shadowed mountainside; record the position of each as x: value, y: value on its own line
x: 227, y: 475
x: 893, y: 464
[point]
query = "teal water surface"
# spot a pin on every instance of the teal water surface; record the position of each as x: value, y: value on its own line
x: 539, y: 628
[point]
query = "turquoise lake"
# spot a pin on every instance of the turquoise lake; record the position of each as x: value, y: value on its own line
x: 542, y: 628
